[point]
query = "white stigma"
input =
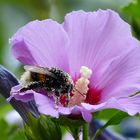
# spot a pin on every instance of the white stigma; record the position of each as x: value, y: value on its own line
x: 85, y: 72
x: 81, y: 86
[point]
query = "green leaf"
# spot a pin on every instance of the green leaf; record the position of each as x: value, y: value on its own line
x: 28, y: 133
x: 65, y: 121
x: 114, y: 120
x: 132, y: 10
x: 104, y: 114
x: 20, y: 135
x: 73, y: 125
x: 54, y: 131
x: 10, y: 132
x: 4, y: 109
x: 42, y: 128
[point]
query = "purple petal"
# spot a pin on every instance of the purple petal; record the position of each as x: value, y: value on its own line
x: 93, y: 107
x: 86, y: 115
x: 111, y: 103
x: 95, y: 39
x: 122, y: 77
x: 23, y: 96
x: 64, y: 110
x: 76, y: 110
x: 79, y: 110
x: 41, y: 43
x: 21, y: 51
x: 45, y: 105
x: 131, y: 105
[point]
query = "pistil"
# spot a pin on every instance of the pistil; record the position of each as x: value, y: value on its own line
x: 81, y: 87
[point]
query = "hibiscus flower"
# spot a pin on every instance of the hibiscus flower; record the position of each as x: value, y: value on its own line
x: 96, y: 49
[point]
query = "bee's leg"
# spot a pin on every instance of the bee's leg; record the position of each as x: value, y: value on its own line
x: 32, y: 85
x: 68, y: 98
x: 56, y: 102
x: 68, y: 95
x: 57, y: 98
x: 24, y: 89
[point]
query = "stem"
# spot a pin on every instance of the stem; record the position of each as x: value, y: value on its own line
x: 75, y: 132
x: 85, y: 131
x: 76, y: 135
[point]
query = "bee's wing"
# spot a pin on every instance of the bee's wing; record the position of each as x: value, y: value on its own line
x: 38, y: 69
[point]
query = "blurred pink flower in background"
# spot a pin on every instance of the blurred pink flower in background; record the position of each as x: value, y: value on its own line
x: 101, y: 42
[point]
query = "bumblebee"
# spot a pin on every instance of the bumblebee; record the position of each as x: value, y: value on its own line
x: 53, y: 80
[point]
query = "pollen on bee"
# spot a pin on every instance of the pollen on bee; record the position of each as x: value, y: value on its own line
x: 81, y: 87
x: 25, y: 78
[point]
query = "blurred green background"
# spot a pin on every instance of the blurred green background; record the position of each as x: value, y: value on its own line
x: 16, y: 13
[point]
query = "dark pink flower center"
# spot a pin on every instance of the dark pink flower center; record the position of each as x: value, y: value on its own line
x: 93, y: 96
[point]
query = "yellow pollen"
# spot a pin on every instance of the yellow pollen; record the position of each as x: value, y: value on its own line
x: 81, y: 87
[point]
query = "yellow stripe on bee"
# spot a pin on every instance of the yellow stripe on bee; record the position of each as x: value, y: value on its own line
x: 41, y: 77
